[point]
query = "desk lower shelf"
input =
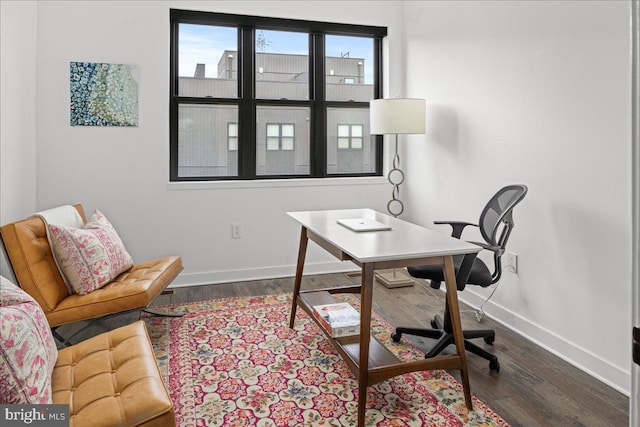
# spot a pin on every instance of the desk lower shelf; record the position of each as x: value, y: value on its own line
x: 382, y: 363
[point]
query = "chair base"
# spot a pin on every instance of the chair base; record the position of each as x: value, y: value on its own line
x: 444, y: 338
x: 66, y: 341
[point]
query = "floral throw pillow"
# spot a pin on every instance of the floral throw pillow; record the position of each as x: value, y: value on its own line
x: 28, y: 351
x: 92, y: 256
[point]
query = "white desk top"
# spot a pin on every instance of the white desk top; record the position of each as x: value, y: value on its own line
x: 403, y: 241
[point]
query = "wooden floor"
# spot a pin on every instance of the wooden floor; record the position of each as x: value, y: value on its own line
x: 533, y: 387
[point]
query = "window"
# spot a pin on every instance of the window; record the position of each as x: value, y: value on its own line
x: 232, y: 136
x: 255, y: 97
x: 349, y: 137
x: 280, y: 137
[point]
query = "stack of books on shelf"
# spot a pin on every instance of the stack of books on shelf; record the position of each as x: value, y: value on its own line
x: 338, y: 319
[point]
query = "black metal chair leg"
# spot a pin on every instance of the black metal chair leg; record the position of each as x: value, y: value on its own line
x: 494, y: 365
x: 443, y: 342
x: 161, y: 313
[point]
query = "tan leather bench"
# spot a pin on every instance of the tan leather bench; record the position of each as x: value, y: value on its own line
x: 112, y: 379
x: 35, y: 270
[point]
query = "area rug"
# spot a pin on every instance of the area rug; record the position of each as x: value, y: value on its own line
x: 235, y: 362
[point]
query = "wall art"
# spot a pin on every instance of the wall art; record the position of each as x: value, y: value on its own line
x: 103, y: 94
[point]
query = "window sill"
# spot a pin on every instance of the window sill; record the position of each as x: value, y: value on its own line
x: 277, y: 183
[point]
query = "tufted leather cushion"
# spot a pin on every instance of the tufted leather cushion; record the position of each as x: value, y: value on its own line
x: 30, y: 255
x: 135, y: 288
x: 112, y: 379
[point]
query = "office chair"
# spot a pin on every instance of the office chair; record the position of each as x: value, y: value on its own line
x: 496, y: 224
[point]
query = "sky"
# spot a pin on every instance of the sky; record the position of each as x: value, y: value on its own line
x: 205, y: 44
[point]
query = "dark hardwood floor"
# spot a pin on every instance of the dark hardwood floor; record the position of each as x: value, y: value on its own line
x: 533, y: 387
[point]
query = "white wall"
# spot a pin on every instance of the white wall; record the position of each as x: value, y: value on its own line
x: 125, y: 171
x: 535, y: 93
x: 17, y: 113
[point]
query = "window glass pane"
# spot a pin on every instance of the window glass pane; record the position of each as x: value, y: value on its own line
x: 273, y: 130
x: 202, y: 140
x: 233, y: 129
x: 343, y: 143
x: 356, y: 130
x: 208, y: 63
x: 293, y: 157
x: 349, y: 68
x: 360, y: 159
x: 287, y: 143
x: 273, y: 143
x: 287, y: 130
x: 343, y: 130
x: 233, y: 144
x: 282, y: 65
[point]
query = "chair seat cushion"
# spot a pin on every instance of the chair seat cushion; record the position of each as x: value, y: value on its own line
x: 133, y: 289
x: 479, y: 275
x: 27, y: 349
x: 112, y: 379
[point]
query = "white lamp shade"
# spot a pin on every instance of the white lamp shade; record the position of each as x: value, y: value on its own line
x: 397, y: 116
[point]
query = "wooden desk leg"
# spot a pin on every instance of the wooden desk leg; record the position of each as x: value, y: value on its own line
x: 302, y: 252
x: 456, y: 325
x: 366, y: 294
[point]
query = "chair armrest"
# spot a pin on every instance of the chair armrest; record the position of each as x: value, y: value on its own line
x: 457, y: 227
x: 497, y: 249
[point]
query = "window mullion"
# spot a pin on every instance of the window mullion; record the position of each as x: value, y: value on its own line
x: 247, y: 107
x: 318, y: 108
x: 377, y: 93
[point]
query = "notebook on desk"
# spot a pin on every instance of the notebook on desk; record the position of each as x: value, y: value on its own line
x: 363, y: 224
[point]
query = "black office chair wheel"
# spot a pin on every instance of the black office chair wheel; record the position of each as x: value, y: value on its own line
x: 494, y: 365
x: 490, y: 339
x: 434, y: 324
x: 395, y: 336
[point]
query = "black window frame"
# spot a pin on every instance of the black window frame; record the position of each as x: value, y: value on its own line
x: 246, y: 101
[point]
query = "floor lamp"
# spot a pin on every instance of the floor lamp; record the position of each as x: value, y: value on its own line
x: 396, y: 116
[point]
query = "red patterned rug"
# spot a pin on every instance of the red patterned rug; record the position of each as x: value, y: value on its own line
x: 235, y: 362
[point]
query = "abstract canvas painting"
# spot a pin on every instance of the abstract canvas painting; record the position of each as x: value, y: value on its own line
x: 103, y: 94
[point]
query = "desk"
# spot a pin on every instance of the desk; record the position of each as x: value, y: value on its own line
x: 404, y: 245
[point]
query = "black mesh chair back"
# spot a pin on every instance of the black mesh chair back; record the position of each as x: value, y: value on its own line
x: 496, y: 222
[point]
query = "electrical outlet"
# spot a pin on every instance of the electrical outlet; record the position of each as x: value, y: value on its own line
x: 512, y: 262
x: 236, y: 231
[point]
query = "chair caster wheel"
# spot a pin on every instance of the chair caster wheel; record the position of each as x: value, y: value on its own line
x: 434, y: 324
x: 395, y: 336
x: 494, y: 366
x: 490, y: 340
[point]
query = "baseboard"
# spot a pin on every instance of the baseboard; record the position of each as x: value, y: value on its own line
x: 614, y: 376
x: 260, y: 273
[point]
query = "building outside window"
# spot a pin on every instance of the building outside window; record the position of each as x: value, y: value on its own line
x: 249, y: 100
